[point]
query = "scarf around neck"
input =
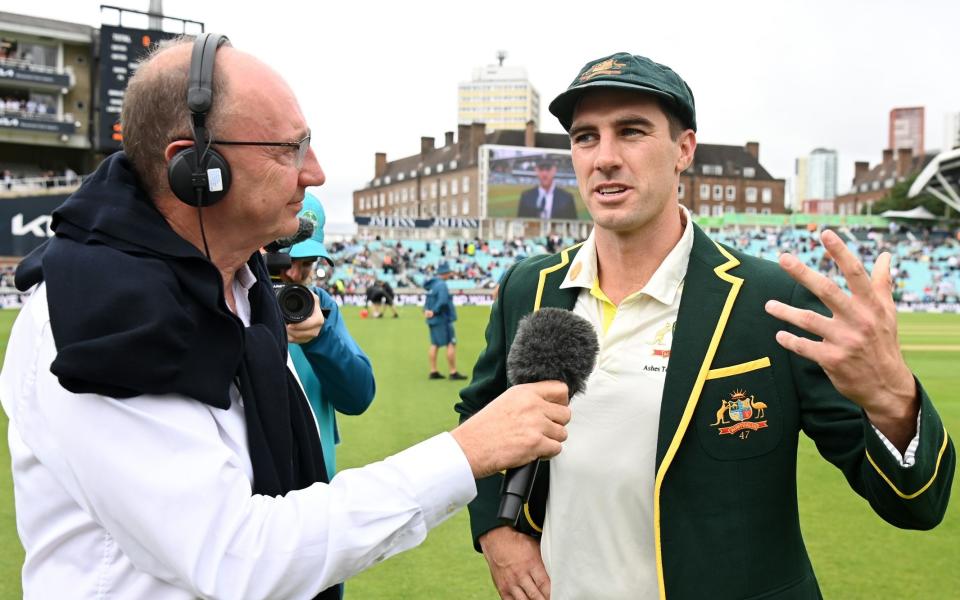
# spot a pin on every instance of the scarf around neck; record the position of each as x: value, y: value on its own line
x: 136, y: 309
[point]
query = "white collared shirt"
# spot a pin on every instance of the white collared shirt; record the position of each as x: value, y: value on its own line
x: 150, y: 497
x: 599, y: 518
x: 547, y: 197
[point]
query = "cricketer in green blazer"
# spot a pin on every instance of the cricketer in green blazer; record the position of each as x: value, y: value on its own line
x: 724, y: 344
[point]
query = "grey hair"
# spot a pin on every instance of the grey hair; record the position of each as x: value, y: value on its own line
x: 155, y: 113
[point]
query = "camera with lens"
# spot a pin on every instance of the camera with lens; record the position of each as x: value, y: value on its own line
x: 295, y: 300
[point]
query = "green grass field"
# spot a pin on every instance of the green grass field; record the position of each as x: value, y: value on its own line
x: 856, y: 555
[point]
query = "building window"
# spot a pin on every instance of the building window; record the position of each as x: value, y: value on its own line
x: 386, y: 180
x: 729, y: 209
x: 399, y: 176
x: 390, y: 198
x: 360, y: 203
x: 718, y: 192
x: 751, y: 210
x: 712, y: 170
x: 731, y: 192
x: 443, y: 189
x: 453, y: 207
x: 433, y: 189
x: 749, y: 172
x: 453, y: 187
x: 704, y: 191
x: 750, y: 194
x: 704, y: 210
x: 440, y: 168
x: 875, y: 185
x: 766, y: 195
x: 443, y: 209
x: 466, y: 184
x: 426, y: 170
x: 376, y: 182
x: 466, y: 207
x: 453, y: 164
x: 718, y: 210
x: 403, y: 195
x: 764, y: 211
x: 680, y: 191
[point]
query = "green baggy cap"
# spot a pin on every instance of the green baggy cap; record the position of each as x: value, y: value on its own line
x: 628, y: 72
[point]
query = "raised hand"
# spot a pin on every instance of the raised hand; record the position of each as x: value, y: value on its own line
x: 859, y: 349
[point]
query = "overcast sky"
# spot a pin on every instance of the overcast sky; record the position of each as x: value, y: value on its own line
x: 375, y: 76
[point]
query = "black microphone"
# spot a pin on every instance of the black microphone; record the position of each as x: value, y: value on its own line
x: 551, y: 343
x: 304, y: 231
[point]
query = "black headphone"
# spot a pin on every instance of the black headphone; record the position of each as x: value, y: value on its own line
x: 200, y: 176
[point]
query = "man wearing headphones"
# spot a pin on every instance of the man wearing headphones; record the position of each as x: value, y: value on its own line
x: 162, y: 448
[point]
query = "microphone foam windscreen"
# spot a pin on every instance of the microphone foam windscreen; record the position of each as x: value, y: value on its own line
x: 553, y: 343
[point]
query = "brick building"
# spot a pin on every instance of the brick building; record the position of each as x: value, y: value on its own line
x: 728, y: 179
x: 873, y: 183
x: 441, y: 183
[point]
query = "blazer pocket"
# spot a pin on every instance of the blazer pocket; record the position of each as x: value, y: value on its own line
x: 739, y: 415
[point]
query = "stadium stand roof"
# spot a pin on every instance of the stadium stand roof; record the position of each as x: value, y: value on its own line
x: 941, y: 179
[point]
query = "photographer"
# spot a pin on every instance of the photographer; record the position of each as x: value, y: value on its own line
x: 336, y: 375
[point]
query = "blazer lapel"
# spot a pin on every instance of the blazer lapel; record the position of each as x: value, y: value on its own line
x: 550, y: 278
x: 708, y: 296
x: 709, y: 292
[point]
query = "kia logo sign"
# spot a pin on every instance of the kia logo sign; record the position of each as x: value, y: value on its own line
x: 38, y: 227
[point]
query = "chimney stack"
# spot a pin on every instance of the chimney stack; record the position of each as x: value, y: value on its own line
x: 463, y: 143
x: 426, y: 145
x: 447, y: 139
x: 860, y: 170
x: 887, y: 157
x: 530, y: 135
x: 753, y: 149
x: 904, y: 161
x: 379, y: 164
x: 478, y: 133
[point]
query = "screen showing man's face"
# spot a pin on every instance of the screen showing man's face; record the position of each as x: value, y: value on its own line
x: 546, y: 175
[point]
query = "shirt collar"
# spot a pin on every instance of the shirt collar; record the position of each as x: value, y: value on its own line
x: 666, y: 280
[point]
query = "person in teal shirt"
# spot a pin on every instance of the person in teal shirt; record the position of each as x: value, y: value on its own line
x: 335, y: 373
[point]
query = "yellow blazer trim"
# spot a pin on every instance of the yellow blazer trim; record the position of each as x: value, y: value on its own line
x: 564, y: 261
x: 526, y: 513
x: 735, y: 283
x: 905, y: 496
x: 746, y: 367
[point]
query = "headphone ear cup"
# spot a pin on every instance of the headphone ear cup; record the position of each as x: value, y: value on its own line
x: 180, y: 176
x: 181, y: 171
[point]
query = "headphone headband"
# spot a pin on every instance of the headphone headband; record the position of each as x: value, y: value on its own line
x: 200, y: 87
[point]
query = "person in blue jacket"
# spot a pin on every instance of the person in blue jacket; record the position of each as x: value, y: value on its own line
x: 335, y: 373
x: 441, y: 313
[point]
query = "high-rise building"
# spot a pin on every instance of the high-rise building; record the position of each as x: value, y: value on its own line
x: 500, y: 96
x: 951, y: 131
x: 906, y: 129
x: 816, y: 181
x: 800, y: 180
x: 822, y: 174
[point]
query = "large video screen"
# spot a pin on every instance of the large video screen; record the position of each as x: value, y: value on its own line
x: 531, y: 183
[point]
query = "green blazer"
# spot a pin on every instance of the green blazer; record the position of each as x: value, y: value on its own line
x: 728, y: 489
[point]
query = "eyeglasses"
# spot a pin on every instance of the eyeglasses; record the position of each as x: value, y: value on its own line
x: 302, y: 146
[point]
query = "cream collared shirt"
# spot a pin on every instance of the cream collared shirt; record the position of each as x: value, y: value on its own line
x: 601, y: 485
